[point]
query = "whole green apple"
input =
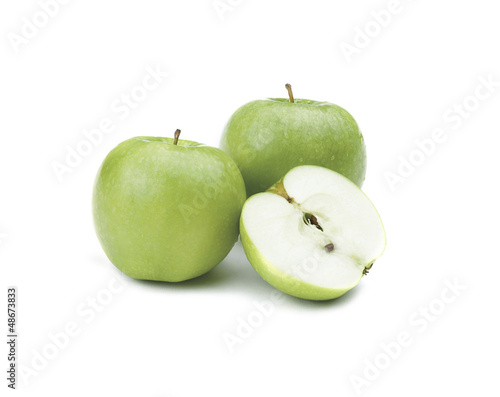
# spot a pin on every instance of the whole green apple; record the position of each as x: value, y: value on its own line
x: 167, y: 209
x: 313, y: 234
x: 267, y: 138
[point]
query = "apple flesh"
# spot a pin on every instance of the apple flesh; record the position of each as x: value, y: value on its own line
x: 312, y: 235
x: 167, y: 209
x: 267, y: 138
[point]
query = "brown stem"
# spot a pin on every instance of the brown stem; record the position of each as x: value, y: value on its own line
x: 176, y: 136
x: 290, y: 93
x: 279, y: 188
x: 367, y: 269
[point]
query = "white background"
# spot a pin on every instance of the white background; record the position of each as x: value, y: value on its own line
x: 156, y: 339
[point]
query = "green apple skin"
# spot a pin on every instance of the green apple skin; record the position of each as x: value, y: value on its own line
x: 282, y: 281
x: 167, y: 212
x: 267, y: 138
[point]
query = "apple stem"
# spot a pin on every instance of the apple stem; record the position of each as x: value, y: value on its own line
x: 290, y: 93
x: 176, y: 136
x: 367, y: 269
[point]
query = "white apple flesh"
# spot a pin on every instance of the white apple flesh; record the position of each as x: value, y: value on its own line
x: 313, y: 234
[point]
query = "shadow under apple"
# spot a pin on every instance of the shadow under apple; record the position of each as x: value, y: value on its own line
x: 236, y: 276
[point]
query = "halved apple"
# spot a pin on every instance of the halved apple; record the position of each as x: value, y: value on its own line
x: 313, y: 234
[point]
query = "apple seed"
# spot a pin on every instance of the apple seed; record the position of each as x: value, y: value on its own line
x: 310, y: 219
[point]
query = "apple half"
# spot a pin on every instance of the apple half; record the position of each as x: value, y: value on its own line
x: 313, y: 234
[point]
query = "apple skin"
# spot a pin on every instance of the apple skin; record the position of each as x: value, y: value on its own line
x: 267, y: 138
x: 167, y: 212
x: 282, y: 281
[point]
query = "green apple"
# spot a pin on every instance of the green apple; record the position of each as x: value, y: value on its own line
x: 313, y: 235
x: 167, y: 209
x: 267, y: 138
